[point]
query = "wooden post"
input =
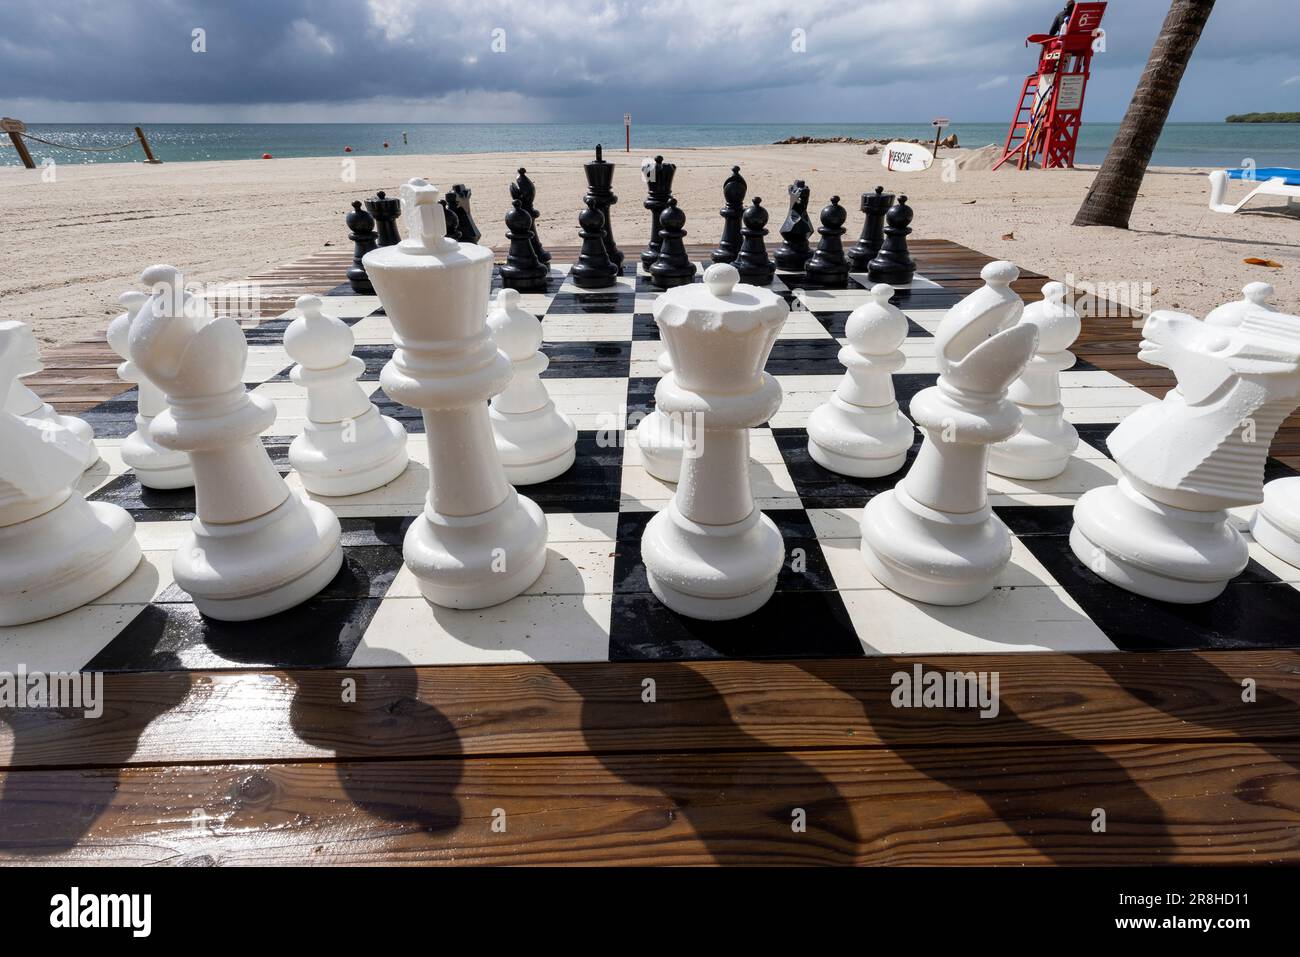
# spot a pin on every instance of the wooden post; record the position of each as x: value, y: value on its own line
x: 149, y: 157
x: 15, y: 129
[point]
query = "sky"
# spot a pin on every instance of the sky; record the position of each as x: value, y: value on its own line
x: 664, y: 61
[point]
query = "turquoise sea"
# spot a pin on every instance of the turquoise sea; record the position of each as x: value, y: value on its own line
x: 1183, y: 144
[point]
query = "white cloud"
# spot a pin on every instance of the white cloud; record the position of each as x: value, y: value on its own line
x: 1291, y: 80
x: 993, y: 82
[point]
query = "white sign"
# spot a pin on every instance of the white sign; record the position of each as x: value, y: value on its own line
x: 940, y: 122
x: 627, y: 119
x: 1070, y: 92
x: 906, y: 158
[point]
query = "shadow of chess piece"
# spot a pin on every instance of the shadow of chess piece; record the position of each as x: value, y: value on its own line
x: 827, y: 267
x: 469, y: 231
x: 522, y: 269
x: 674, y: 266
x: 594, y: 269
x: 658, y: 177
x: 385, y: 211
x: 874, y: 205
x: 361, y: 226
x: 893, y: 264
x: 733, y: 208
x: 753, y: 263
x: 525, y: 190
x: 600, y: 176
x: 794, y: 249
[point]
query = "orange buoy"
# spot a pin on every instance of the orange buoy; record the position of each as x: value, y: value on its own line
x: 385, y: 144
x: 266, y: 156
x: 347, y: 149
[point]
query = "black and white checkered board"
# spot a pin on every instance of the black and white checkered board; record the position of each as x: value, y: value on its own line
x: 592, y: 602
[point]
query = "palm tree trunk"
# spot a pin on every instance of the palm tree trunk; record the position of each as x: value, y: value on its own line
x: 1114, y: 190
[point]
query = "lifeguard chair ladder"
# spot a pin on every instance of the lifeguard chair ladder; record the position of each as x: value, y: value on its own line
x: 1050, y: 109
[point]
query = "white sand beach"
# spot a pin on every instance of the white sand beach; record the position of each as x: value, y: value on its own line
x: 74, y: 243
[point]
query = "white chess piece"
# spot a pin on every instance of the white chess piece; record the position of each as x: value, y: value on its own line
x: 1255, y: 296
x: 478, y: 542
x: 535, y: 440
x: 933, y: 537
x: 346, y: 447
x: 660, y: 437
x: 254, y: 548
x: 1276, y: 523
x: 1045, y: 442
x: 57, y: 551
x: 860, y: 431
x: 711, y: 553
x: 22, y: 401
x: 1163, y: 530
x: 154, y: 466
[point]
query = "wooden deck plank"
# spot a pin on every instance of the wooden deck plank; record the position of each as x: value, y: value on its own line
x: 1163, y: 803
x: 475, y: 710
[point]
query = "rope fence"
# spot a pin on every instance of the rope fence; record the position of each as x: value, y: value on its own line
x: 17, y: 131
x: 83, y: 149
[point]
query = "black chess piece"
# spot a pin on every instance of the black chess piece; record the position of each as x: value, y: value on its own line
x: 522, y: 269
x: 659, y: 189
x: 752, y: 262
x: 361, y: 230
x: 733, y: 208
x: 827, y: 267
x: 873, y: 233
x: 674, y: 266
x: 893, y: 264
x: 525, y: 190
x: 385, y: 210
x: 600, y: 177
x: 795, y: 231
x: 469, y: 231
x: 453, y: 221
x: 594, y: 269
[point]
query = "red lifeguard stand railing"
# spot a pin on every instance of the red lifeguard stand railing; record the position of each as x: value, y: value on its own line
x: 1046, y: 124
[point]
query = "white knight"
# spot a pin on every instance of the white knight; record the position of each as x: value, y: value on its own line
x: 20, y: 400
x: 1163, y: 530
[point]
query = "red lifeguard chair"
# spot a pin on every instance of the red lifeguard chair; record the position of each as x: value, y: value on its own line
x: 1050, y: 109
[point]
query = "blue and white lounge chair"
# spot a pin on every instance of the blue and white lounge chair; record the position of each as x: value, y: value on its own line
x: 1271, y: 180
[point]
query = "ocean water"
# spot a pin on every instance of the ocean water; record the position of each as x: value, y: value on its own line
x: 1182, y: 144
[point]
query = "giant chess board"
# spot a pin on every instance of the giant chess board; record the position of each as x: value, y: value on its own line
x: 592, y: 602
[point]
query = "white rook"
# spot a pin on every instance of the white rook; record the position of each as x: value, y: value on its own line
x: 254, y: 548
x: 477, y: 542
x: 711, y: 553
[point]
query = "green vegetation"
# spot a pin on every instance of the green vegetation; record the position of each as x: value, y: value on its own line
x: 1264, y: 118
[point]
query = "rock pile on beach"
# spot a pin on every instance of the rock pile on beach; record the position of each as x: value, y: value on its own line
x: 948, y: 142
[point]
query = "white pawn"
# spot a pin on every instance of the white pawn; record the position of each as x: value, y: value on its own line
x: 254, y: 548
x: 1045, y: 442
x: 711, y: 553
x: 934, y: 537
x: 1276, y: 523
x: 1255, y: 296
x: 154, y: 466
x: 860, y: 431
x: 347, y: 447
x: 22, y: 401
x: 661, y: 437
x: 536, y: 441
x: 57, y: 551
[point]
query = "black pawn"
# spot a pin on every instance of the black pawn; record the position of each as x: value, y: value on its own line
x: 795, y: 231
x: 674, y: 266
x: 594, y: 269
x: 522, y: 269
x: 469, y: 232
x: 752, y: 262
x: 525, y: 190
x: 873, y: 229
x: 453, y: 221
x: 893, y: 264
x: 361, y: 226
x: 385, y: 210
x: 827, y: 266
x: 600, y: 177
x: 659, y: 189
x: 733, y: 208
